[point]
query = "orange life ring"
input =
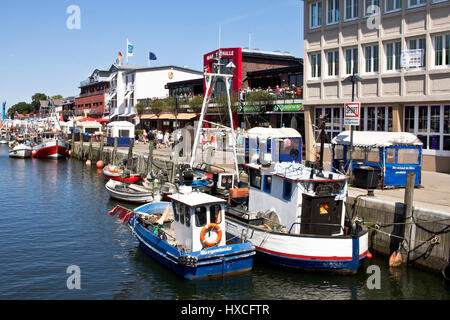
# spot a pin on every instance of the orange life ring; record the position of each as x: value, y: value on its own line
x: 206, y: 228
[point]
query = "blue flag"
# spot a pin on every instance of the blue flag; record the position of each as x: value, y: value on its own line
x: 152, y: 56
x: 4, y: 110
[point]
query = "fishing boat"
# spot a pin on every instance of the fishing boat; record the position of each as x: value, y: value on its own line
x: 52, y: 147
x: 188, y: 235
x: 20, y: 151
x: 116, y: 173
x: 129, y: 192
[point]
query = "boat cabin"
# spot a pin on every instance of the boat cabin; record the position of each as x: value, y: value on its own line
x: 273, y: 144
x: 122, y: 130
x: 199, y: 218
x: 294, y: 199
x: 392, y: 154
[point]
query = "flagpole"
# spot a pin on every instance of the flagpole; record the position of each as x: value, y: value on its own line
x: 127, y: 51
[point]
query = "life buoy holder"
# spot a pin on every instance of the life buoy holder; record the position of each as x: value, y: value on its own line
x: 211, y: 243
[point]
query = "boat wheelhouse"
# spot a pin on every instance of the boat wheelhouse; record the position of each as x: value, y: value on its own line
x: 296, y: 218
x: 188, y: 235
x: 391, y: 154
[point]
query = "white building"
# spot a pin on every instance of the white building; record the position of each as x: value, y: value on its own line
x: 129, y: 84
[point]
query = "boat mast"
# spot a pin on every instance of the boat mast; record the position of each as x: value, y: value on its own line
x: 210, y: 78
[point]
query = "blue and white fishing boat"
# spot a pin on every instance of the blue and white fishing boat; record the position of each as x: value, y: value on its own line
x: 188, y: 235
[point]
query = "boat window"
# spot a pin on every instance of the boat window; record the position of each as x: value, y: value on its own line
x: 408, y: 156
x: 187, y: 213
x: 359, y: 154
x: 215, y: 212
x: 339, y: 152
x: 255, y: 179
x: 182, y: 210
x: 200, y: 216
x: 176, y: 214
x: 373, y: 155
x: 267, y: 183
x: 287, y: 190
x: 390, y: 155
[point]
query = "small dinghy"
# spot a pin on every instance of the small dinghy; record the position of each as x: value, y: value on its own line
x: 117, y: 174
x: 129, y: 192
x: 188, y: 235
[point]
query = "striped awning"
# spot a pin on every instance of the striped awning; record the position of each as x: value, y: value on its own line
x: 168, y: 116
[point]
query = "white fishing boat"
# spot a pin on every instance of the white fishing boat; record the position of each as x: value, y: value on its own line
x: 130, y: 192
x: 21, y: 151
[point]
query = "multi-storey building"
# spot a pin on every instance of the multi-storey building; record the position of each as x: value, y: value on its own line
x: 367, y: 38
x: 92, y: 99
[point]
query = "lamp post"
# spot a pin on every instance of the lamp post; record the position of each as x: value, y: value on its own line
x: 353, y: 79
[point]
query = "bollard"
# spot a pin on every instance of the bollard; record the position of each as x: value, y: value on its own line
x: 410, y: 229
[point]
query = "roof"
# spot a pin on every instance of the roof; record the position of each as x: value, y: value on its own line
x: 265, y: 72
x: 89, y: 124
x: 195, y: 198
x: 120, y: 124
x: 197, y: 81
x: 274, y: 132
x: 269, y: 54
x: 377, y: 139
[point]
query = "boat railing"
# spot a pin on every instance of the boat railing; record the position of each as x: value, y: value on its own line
x: 315, y: 223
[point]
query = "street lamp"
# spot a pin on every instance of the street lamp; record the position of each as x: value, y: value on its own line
x: 353, y: 79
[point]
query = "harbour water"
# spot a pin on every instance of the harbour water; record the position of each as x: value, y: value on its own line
x: 54, y: 215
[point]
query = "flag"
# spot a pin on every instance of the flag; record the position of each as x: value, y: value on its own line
x: 130, y: 49
x: 152, y: 56
x: 120, y: 55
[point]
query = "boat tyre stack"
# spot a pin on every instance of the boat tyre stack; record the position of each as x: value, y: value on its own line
x: 188, y: 261
x: 210, y: 244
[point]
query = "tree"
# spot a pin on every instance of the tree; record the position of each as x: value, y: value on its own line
x: 140, y: 108
x: 196, y: 104
x: 21, y: 107
x: 261, y: 97
x: 36, y: 101
x: 157, y: 107
x: 58, y: 97
x: 223, y: 103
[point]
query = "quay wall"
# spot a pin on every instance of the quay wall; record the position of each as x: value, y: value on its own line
x: 429, y: 245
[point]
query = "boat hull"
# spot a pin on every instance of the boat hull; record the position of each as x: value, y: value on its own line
x: 55, y: 149
x: 335, y: 254
x: 112, y: 187
x: 117, y: 176
x: 216, y: 262
x: 20, y: 152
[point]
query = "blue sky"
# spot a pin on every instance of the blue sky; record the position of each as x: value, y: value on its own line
x: 40, y: 54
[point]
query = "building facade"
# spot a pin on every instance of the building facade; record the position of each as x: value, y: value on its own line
x: 368, y: 38
x: 93, y: 92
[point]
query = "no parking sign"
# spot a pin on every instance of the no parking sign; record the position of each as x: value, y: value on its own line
x: 352, y: 112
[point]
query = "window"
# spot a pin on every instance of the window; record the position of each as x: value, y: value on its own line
x: 392, y: 5
x: 351, y: 9
x: 333, y: 63
x: 182, y: 211
x: 338, y: 151
x: 215, y: 212
x: 296, y: 80
x: 333, y: 121
x: 287, y: 190
x: 351, y: 61
x: 315, y: 66
x: 393, y: 53
x: 408, y: 156
x: 255, y: 179
x: 409, y: 119
x: 416, y: 3
x: 371, y: 118
x: 187, y: 216
x: 371, y: 57
x: 390, y: 155
x: 418, y: 44
x: 176, y: 211
x: 200, y: 216
x: 267, y: 183
x: 423, y: 119
x: 315, y: 14
x: 373, y: 155
x: 332, y: 11
x: 442, y: 50
x: 371, y: 7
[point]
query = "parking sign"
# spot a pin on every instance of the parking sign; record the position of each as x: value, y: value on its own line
x: 352, y: 113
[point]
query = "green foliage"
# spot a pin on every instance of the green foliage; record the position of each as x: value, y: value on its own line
x: 21, y: 107
x: 140, y: 108
x: 261, y: 97
x: 196, y: 104
x: 35, y: 100
x: 157, y: 107
x: 57, y: 97
x: 223, y: 103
